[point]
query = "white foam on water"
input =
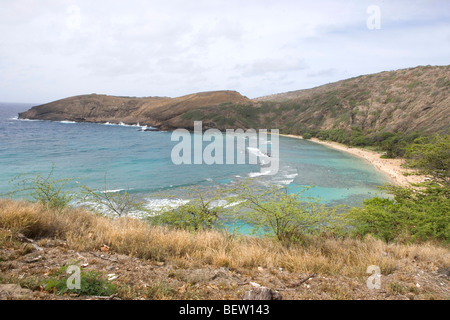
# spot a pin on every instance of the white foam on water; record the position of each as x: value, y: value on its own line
x: 284, y: 182
x: 224, y: 203
x: 129, y: 125
x: 263, y: 172
x: 67, y: 121
x: 112, y: 191
x: 263, y: 158
x: 121, y: 124
x: 256, y: 152
x: 152, y: 207
x: 28, y: 119
x: 92, y: 205
x: 157, y: 205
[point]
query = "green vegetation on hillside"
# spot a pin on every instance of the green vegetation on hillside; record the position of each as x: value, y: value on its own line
x: 393, y: 144
x: 421, y: 213
x: 431, y: 156
x: 412, y: 215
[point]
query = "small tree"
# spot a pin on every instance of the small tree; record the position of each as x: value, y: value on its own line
x: 431, y: 157
x: 288, y: 217
x: 115, y: 202
x: 202, y: 212
x: 393, y: 146
x: 44, y: 189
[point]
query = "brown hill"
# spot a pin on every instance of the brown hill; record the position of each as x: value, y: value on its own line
x: 405, y: 100
x: 154, y: 111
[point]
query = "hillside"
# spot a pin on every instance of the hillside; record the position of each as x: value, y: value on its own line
x: 408, y: 100
x: 161, y: 112
x: 405, y: 100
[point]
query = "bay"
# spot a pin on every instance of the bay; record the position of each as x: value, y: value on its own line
x: 119, y: 158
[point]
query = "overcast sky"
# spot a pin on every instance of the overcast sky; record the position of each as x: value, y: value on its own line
x: 52, y: 49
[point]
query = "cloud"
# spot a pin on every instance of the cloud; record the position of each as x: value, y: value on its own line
x: 74, y: 19
x: 269, y: 65
x: 56, y: 48
x: 323, y: 73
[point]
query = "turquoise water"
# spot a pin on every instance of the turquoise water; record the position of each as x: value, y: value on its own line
x: 140, y: 162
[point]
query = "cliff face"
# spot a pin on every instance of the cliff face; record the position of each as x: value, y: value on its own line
x: 154, y: 111
x: 403, y: 100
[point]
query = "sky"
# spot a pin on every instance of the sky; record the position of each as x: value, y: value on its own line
x: 52, y: 49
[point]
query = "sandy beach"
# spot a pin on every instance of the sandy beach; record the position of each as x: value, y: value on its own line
x: 392, y: 168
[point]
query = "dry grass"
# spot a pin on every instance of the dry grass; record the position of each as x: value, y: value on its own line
x: 85, y: 231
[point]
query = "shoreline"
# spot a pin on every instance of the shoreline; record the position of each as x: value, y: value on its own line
x: 391, y: 168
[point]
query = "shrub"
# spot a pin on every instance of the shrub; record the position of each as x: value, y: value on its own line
x: 288, y: 217
x: 412, y: 215
x: 118, y: 203
x: 92, y: 283
x: 198, y: 214
x: 46, y: 190
x: 431, y: 156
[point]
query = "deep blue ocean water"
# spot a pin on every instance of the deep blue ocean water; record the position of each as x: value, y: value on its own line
x: 140, y: 162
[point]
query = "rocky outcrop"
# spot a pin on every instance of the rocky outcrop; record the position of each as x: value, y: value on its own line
x: 161, y: 112
x: 259, y: 292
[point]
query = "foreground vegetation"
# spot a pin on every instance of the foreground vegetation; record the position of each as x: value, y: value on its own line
x: 183, y: 254
x: 156, y: 262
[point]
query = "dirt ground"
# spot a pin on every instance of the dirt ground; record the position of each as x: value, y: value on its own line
x: 25, y: 268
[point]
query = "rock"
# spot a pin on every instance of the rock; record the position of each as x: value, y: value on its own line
x: 49, y: 243
x: 34, y: 259
x: 444, y: 271
x: 261, y: 293
x: 182, y: 289
x: 410, y: 296
x: 105, y: 248
x: 112, y: 276
x: 22, y: 238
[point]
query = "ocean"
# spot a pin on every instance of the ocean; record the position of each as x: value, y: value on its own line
x: 125, y: 158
